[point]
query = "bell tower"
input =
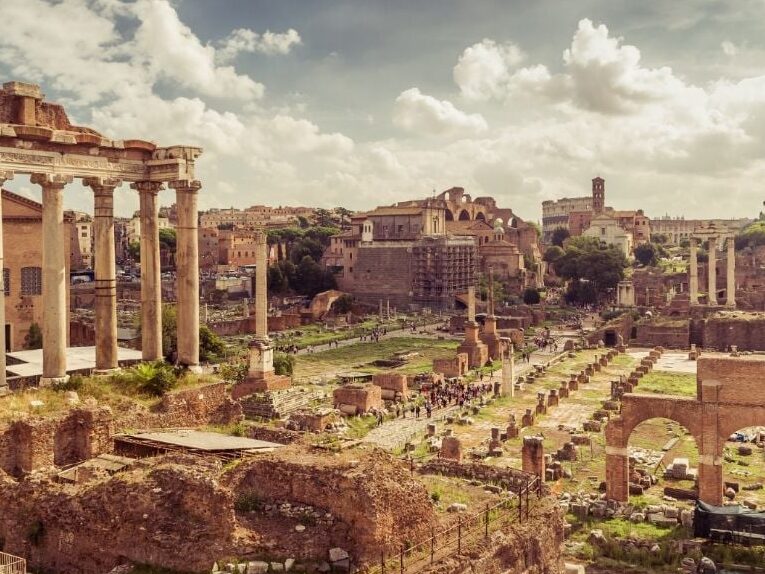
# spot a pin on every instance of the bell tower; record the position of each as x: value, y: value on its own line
x: 598, y: 195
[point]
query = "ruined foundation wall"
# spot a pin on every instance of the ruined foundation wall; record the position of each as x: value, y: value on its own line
x: 172, y: 516
x: 747, y: 333
x: 376, y: 496
x: 674, y: 336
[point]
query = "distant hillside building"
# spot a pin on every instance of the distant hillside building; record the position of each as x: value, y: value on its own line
x: 676, y: 229
x: 425, y: 252
x: 555, y: 214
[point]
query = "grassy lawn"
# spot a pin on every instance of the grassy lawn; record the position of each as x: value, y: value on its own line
x: 359, y: 357
x: 665, y: 383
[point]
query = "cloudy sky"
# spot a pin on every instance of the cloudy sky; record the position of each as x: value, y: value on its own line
x: 365, y: 102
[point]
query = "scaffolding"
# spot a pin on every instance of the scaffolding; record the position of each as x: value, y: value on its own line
x: 443, y: 267
x: 10, y: 564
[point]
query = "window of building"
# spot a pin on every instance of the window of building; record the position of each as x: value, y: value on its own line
x: 31, y: 281
x: 401, y: 229
x: 7, y: 280
x: 602, y: 230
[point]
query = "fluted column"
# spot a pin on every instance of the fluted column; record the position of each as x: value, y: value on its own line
x: 187, y: 269
x: 730, y: 274
x: 151, y: 287
x: 106, y: 274
x: 712, y: 272
x: 693, y: 274
x: 4, y: 176
x: 54, y: 277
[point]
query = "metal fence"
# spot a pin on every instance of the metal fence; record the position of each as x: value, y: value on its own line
x: 10, y: 564
x: 451, y: 541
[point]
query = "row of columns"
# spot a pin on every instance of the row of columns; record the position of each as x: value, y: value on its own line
x: 730, y: 272
x: 54, y: 274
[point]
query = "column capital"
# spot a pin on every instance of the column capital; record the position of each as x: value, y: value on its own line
x: 5, y: 175
x: 153, y: 187
x: 102, y: 185
x: 186, y: 185
x: 54, y: 180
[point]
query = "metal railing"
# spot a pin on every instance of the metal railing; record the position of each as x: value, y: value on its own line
x: 10, y: 564
x: 452, y: 540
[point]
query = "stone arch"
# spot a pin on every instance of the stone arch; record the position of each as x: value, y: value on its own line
x: 464, y: 215
x: 635, y: 410
x: 449, y: 215
x: 480, y: 216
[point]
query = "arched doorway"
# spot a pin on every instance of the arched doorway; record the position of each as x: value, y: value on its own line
x: 464, y: 215
x: 663, y: 454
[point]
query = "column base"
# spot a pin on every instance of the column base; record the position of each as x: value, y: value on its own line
x: 4, y: 390
x: 106, y: 372
x: 50, y: 381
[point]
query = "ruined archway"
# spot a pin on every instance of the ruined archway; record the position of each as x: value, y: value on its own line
x: 637, y: 409
x: 480, y: 216
x: 655, y: 445
x: 464, y: 215
x: 449, y: 215
x: 609, y: 338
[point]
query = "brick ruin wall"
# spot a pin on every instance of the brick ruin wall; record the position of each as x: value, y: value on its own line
x: 375, y: 496
x: 383, y: 273
x: 670, y: 336
x: 510, y: 478
x: 247, y: 324
x: 747, y: 333
x: 176, y: 517
x: 84, y: 432
x: 621, y: 325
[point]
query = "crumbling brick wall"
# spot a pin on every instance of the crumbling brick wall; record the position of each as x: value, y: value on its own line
x: 172, y: 516
x: 375, y: 494
x: 391, y: 384
x: 674, y: 335
x: 357, y: 398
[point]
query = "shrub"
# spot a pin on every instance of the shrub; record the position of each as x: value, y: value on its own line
x: 284, y: 364
x: 153, y: 378
x: 73, y: 383
x: 531, y: 296
x: 233, y: 372
x: 248, y: 501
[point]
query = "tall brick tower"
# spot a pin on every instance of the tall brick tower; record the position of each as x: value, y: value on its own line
x: 598, y: 195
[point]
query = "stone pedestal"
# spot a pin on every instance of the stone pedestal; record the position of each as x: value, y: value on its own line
x: 451, y: 448
x: 528, y: 419
x: 477, y: 352
x: 552, y: 398
x: 533, y: 456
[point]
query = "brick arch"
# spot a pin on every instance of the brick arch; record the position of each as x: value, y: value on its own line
x: 637, y: 409
x: 464, y: 215
x: 640, y: 408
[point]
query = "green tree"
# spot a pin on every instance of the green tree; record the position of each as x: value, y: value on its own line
x: 343, y: 304
x: 751, y: 236
x: 647, y: 254
x: 553, y: 253
x: 591, y: 268
x: 311, y: 278
x: 134, y: 251
x: 660, y: 238
x: 531, y: 296
x: 559, y: 235
x: 167, y: 238
x: 324, y: 218
x: 284, y: 364
x: 277, y: 282
x: 306, y: 247
x: 211, y: 346
x: 33, y: 339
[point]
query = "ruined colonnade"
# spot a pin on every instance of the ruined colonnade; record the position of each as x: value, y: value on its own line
x: 36, y: 138
x: 712, y: 235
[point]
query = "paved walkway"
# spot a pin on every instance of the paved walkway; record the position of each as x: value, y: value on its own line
x: 395, y: 433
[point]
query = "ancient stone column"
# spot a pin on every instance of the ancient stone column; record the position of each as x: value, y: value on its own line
x: 617, y: 473
x: 106, y: 275
x: 712, y: 272
x: 4, y: 176
x: 693, y: 274
x: 54, y: 277
x: 730, y: 274
x: 187, y: 269
x: 471, y: 304
x: 261, y: 286
x: 151, y: 286
x: 508, y: 371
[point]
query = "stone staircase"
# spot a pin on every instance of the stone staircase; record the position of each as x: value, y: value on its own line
x: 278, y: 404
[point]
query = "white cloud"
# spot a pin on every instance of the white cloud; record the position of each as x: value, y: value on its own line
x: 729, y: 48
x: 484, y: 69
x: 419, y: 113
x: 246, y: 40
